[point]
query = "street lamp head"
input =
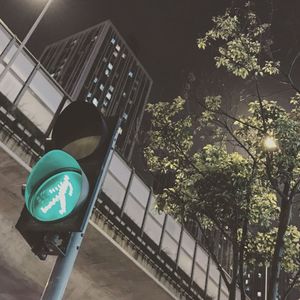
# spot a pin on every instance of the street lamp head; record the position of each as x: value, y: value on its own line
x: 270, y: 144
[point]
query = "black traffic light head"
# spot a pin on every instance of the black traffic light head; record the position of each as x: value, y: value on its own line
x: 81, y: 131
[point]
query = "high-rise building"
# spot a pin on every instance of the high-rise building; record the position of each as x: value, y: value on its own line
x: 96, y: 65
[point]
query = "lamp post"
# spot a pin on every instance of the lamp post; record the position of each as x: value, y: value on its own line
x: 23, y: 43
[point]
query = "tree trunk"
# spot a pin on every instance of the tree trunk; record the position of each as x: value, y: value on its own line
x: 284, y: 220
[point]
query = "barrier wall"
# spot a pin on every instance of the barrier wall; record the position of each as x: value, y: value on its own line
x: 27, y: 85
x: 127, y: 190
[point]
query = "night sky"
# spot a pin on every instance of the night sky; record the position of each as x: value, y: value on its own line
x: 162, y: 33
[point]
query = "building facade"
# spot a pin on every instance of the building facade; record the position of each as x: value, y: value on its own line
x: 96, y: 65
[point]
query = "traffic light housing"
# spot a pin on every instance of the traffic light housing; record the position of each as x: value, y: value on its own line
x: 80, y: 140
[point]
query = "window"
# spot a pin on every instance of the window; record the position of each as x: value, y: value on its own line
x: 95, y: 80
x: 113, y: 41
x: 22, y: 66
x: 105, y: 103
x: 110, y: 66
x: 10, y: 86
x: 106, y: 72
x: 115, y: 53
x: 111, y: 88
x: 20, y: 126
x: 130, y: 74
x: 95, y: 101
x: 35, y: 110
x: 258, y: 294
x: 108, y: 96
x: 89, y: 95
x: 4, y: 39
x: 101, y: 87
x: 123, y: 55
x: 46, y: 90
x: 118, y: 48
x: 27, y: 133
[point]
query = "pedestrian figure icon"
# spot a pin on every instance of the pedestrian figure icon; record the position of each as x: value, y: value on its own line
x: 61, y: 189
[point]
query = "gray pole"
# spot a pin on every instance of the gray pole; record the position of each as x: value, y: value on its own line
x: 59, y: 277
x: 23, y: 43
x: 266, y: 282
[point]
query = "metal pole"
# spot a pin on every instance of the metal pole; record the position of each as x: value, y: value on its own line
x: 59, y: 277
x: 266, y: 282
x: 23, y: 43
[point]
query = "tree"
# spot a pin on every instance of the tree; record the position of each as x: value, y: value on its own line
x: 244, y: 181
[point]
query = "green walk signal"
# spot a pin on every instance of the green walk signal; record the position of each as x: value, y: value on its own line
x: 53, y: 189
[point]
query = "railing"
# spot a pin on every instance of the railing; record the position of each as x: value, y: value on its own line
x: 30, y: 99
x: 129, y: 203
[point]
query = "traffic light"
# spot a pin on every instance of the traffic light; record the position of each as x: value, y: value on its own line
x: 59, y: 186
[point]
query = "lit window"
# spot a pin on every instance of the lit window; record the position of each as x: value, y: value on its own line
x: 259, y: 275
x: 110, y: 66
x: 11, y: 117
x: 108, y: 96
x: 89, y: 95
x: 115, y: 53
x: 123, y: 55
x: 27, y: 133
x: 95, y: 80
x: 106, y: 72
x: 2, y: 109
x: 130, y: 74
x: 95, y: 101
x: 258, y: 294
x: 20, y: 126
x: 246, y: 281
x: 124, y: 94
x: 105, y: 103
x: 118, y: 47
x: 101, y: 87
x: 113, y: 41
x: 111, y: 88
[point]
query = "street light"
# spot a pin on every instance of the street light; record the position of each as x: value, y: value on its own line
x: 270, y: 144
x: 23, y: 43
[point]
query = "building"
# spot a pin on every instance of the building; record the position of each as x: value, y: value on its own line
x: 96, y: 65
